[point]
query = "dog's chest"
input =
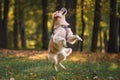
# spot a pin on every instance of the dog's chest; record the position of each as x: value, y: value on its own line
x: 60, y: 32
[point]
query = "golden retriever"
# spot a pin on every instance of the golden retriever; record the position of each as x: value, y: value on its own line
x: 57, y: 51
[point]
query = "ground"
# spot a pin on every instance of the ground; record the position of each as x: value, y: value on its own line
x: 33, y: 65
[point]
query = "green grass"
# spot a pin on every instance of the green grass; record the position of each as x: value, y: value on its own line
x: 23, y: 68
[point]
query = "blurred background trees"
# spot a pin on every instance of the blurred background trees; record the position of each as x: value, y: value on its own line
x: 28, y: 24
x: 114, y: 29
x: 96, y: 25
x: 3, y: 23
x: 44, y: 24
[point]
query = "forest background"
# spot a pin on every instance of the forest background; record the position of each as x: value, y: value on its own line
x: 27, y: 24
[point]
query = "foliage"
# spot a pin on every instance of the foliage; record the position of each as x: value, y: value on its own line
x: 32, y: 65
x: 32, y: 14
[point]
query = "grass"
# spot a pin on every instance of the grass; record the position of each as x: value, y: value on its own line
x: 33, y: 65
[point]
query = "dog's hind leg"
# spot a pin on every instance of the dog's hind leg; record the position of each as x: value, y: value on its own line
x: 55, y: 64
x: 63, y: 67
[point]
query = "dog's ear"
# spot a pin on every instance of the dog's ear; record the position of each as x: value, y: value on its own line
x: 53, y: 15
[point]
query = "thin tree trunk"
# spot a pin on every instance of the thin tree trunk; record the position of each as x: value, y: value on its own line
x: 83, y: 24
x: 100, y: 35
x: 4, y: 27
x: 113, y: 31
x: 15, y: 29
x: 105, y: 41
x: 59, y: 4
x: 118, y: 36
x: 0, y: 23
x: 22, y: 33
x: 97, y: 19
x: 22, y: 24
x: 118, y: 24
x: 44, y: 26
x: 71, y: 18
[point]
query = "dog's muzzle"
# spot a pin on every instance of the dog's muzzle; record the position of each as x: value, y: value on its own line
x: 64, y: 11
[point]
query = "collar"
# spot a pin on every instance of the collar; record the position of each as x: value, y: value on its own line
x: 64, y: 26
x: 66, y: 29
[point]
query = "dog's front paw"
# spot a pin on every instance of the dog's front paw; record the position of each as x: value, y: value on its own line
x: 79, y: 38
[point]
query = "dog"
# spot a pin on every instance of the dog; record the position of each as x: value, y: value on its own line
x: 62, y: 34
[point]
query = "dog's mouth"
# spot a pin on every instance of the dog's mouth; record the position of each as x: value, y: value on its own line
x: 60, y: 13
x: 64, y: 11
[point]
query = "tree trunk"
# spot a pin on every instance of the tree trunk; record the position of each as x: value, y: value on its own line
x: 118, y: 24
x: 0, y: 23
x: 118, y: 36
x: 100, y: 36
x: 83, y: 24
x: 113, y: 31
x: 97, y: 19
x: 105, y: 41
x: 4, y: 33
x: 59, y: 4
x: 22, y: 24
x: 15, y: 29
x: 71, y: 18
x: 22, y: 33
x: 44, y: 24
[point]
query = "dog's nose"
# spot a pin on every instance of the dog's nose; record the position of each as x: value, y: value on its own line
x: 64, y: 11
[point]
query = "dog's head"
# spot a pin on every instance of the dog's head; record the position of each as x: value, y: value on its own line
x: 60, y: 13
x: 59, y: 17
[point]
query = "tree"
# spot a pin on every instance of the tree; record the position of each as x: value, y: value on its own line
x: 0, y: 23
x: 113, y: 30
x: 4, y: 29
x: 59, y: 4
x: 118, y: 24
x: 21, y: 23
x: 97, y: 19
x: 15, y: 29
x: 44, y: 24
x: 71, y: 18
x: 105, y: 40
x: 119, y: 33
x: 83, y: 24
